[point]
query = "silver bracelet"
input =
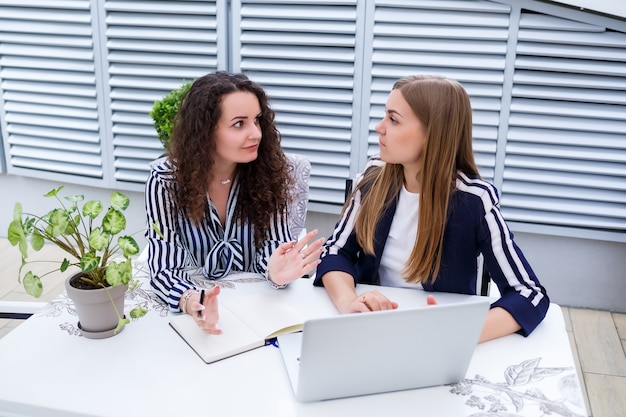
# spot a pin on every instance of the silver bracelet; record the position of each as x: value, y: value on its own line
x: 185, y: 298
x: 274, y: 285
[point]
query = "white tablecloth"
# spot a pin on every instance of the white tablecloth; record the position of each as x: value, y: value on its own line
x: 48, y: 369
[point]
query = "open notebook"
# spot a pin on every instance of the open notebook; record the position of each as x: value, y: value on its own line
x: 246, y: 323
x: 368, y: 353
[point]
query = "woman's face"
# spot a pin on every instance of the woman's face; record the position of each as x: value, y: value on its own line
x: 402, y: 135
x: 238, y: 132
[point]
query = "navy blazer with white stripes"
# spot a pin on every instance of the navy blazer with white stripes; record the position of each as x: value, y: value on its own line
x: 475, y: 225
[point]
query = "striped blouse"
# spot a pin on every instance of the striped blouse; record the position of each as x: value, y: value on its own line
x: 207, y: 250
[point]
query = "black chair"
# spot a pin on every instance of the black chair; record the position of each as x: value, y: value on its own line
x: 485, y: 278
x: 347, y: 190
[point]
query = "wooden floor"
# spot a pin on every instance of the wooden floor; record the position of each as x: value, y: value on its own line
x: 598, y: 338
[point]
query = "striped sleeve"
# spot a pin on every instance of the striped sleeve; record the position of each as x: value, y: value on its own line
x: 522, y: 294
x: 167, y: 257
x: 341, y: 250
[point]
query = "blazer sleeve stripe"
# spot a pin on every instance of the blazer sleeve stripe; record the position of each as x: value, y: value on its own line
x: 502, y: 245
x: 344, y: 228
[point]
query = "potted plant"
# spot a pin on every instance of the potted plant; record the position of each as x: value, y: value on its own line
x: 87, y: 234
x: 164, y: 112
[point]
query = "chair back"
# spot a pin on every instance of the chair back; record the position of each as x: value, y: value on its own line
x: 301, y: 172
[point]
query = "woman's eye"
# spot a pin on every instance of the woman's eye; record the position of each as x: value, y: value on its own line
x: 257, y: 121
x: 238, y: 124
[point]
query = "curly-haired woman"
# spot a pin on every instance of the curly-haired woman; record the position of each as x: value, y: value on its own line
x: 220, y: 198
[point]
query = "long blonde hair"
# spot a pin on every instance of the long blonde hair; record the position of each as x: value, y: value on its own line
x: 443, y: 106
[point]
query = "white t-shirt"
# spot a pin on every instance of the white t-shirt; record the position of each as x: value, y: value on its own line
x: 400, y: 241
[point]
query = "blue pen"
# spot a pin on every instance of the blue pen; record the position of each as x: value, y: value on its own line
x: 201, y: 301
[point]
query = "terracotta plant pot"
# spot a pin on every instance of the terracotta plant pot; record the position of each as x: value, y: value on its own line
x: 96, y: 314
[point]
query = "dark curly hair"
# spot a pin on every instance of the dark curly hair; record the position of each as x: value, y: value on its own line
x: 264, y: 184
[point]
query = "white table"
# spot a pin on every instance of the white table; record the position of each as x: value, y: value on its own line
x: 47, y: 369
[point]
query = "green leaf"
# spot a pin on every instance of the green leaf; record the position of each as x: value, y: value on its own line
x: 98, y: 239
x: 119, y: 201
x: 16, y: 233
x: 120, y: 325
x: 17, y: 212
x: 23, y: 249
x: 53, y: 192
x: 64, y: 265
x: 33, y: 285
x: 75, y: 198
x: 119, y: 273
x: 59, y: 221
x: 157, y: 230
x: 128, y: 245
x: 133, y: 284
x: 138, y: 312
x: 37, y: 240
x: 71, y: 227
x: 73, y: 208
x: 29, y: 225
x: 113, y: 274
x: 92, y: 209
x: 113, y: 221
x: 89, y: 261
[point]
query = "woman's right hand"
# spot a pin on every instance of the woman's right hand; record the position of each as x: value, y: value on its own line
x: 205, y: 314
x: 292, y: 260
x: 340, y: 288
x: 368, y: 301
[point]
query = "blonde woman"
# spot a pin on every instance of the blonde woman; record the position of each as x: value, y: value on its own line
x: 420, y: 215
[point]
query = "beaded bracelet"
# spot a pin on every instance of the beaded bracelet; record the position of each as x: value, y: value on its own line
x: 274, y: 285
x: 186, y: 296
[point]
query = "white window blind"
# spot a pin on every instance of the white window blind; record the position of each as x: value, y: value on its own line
x: 304, y: 55
x: 466, y: 41
x: 565, y: 158
x: 547, y: 83
x: 50, y: 102
x: 153, y: 47
x: 3, y: 166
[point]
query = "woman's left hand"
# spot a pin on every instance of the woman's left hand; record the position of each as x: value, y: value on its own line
x: 430, y: 300
x: 292, y: 260
x: 207, y: 314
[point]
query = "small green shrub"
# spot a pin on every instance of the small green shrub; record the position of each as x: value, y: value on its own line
x: 164, y: 112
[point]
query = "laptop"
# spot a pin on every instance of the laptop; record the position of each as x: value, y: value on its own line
x: 383, y: 351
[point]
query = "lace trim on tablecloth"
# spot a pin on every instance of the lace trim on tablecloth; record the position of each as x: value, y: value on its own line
x: 141, y: 295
